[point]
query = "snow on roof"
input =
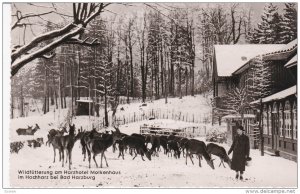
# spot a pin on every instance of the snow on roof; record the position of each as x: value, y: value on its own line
x: 292, y: 62
x: 229, y: 58
x: 282, y: 51
x: 279, y: 95
x: 246, y: 116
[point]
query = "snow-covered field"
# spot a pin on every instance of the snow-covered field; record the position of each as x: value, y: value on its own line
x: 162, y: 171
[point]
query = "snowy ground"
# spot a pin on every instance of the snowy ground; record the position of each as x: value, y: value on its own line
x: 162, y: 171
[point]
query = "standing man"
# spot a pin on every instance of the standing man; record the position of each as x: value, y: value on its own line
x: 241, y: 149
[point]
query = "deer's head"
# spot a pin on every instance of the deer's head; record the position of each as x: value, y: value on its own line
x: 72, y: 129
x: 211, y: 163
x: 37, y: 126
x: 79, y: 135
x: 116, y: 136
x: 148, y: 154
x: 228, y: 161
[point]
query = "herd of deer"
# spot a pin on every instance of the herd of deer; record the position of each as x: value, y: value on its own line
x: 95, y: 143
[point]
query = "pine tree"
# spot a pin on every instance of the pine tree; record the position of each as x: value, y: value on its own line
x: 259, y: 81
x: 289, y: 23
x: 269, y: 29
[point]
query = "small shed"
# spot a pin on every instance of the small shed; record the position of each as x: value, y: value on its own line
x: 234, y: 121
x: 83, y: 107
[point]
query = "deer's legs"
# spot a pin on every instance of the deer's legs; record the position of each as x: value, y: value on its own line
x: 55, y: 154
x: 70, y: 158
x: 67, y: 155
x: 186, y: 155
x: 89, y: 157
x: 199, y: 161
x: 101, y: 159
x: 105, y: 159
x: 135, y: 154
x: 94, y: 158
x: 63, y: 157
x: 223, y: 163
x: 83, y: 151
x: 142, y: 154
x: 191, y: 158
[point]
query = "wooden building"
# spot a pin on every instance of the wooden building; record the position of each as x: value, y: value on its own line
x: 279, y: 110
x: 279, y: 115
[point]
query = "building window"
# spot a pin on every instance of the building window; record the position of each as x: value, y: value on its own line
x: 265, y: 120
x: 269, y: 119
x: 280, y: 120
x: 276, y: 119
x: 295, y: 120
x: 287, y: 120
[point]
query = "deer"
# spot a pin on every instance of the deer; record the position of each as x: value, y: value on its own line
x: 155, y: 141
x: 163, y: 143
x: 54, y: 132
x: 197, y: 147
x: 138, y: 145
x: 67, y: 143
x: 28, y: 131
x: 98, y: 145
x: 64, y: 143
x: 121, y: 145
x: 182, y: 145
x: 214, y: 149
x: 139, y: 136
x: 173, y: 146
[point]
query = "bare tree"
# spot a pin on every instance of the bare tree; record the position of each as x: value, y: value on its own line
x: 83, y: 14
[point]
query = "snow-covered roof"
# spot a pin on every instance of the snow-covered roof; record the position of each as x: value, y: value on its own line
x: 229, y: 58
x: 279, y: 95
x: 283, y: 52
x: 292, y: 62
x: 246, y: 116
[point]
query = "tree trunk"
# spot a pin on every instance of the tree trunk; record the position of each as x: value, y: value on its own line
x: 179, y: 82
x: 22, y: 102
x: 78, y: 75
x: 12, y: 106
x: 105, y: 105
x: 131, y: 71
x: 186, y: 81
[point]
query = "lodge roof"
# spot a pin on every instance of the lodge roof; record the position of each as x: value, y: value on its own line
x: 279, y: 95
x: 292, y: 62
x: 229, y: 58
x: 234, y: 116
x: 283, y: 52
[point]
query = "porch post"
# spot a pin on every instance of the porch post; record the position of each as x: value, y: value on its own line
x: 261, y: 128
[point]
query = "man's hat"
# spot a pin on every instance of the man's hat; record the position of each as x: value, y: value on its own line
x: 241, y: 128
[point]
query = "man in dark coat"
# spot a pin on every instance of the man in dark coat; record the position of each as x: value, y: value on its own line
x: 241, y: 149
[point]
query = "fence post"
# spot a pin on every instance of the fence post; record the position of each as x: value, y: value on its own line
x: 134, y: 117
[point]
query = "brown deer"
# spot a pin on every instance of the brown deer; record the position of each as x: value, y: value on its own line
x: 98, y: 145
x: 219, y: 151
x: 64, y: 143
x: 82, y: 136
x: 163, y: 142
x: 55, y: 132
x: 121, y: 145
x: 182, y: 145
x: 155, y: 141
x: 28, y: 131
x: 173, y: 145
x: 67, y: 142
x: 197, y: 147
x: 138, y: 145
